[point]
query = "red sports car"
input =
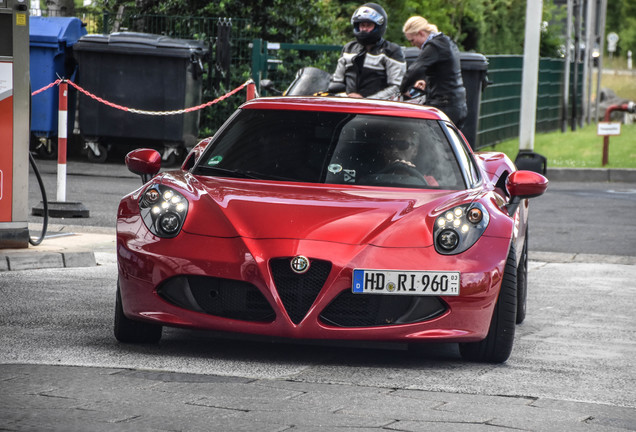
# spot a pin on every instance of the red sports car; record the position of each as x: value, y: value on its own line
x: 329, y: 218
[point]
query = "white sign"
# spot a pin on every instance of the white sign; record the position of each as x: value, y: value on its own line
x: 612, y: 40
x: 608, y: 128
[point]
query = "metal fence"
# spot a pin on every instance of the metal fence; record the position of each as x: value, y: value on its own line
x: 501, y: 100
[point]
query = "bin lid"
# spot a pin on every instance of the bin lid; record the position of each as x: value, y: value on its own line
x: 142, y: 43
x: 410, y: 54
x: 468, y: 60
x: 51, y: 31
x: 473, y: 61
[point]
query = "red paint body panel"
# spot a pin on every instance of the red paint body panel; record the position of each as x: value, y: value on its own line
x: 348, y: 105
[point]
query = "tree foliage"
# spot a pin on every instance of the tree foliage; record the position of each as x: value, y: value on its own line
x: 621, y: 19
x: 486, y: 26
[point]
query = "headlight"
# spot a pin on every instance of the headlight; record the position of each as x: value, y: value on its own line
x: 163, y: 210
x: 459, y: 228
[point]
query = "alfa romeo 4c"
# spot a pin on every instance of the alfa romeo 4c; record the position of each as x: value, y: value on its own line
x: 329, y: 219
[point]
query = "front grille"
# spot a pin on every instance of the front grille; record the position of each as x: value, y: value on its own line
x: 369, y: 310
x: 225, y: 298
x: 298, y: 291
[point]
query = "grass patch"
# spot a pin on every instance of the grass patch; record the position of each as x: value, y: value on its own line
x: 579, y: 149
x: 583, y: 148
x: 624, y: 86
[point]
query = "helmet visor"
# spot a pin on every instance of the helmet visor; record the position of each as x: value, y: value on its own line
x: 366, y: 13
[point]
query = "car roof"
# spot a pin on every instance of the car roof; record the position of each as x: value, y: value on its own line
x: 348, y: 105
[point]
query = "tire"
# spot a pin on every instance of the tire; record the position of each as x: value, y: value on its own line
x: 497, y: 345
x: 522, y: 282
x: 44, y: 148
x: 101, y: 158
x: 129, y: 331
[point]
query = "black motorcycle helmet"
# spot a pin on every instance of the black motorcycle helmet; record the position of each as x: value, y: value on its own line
x: 369, y: 12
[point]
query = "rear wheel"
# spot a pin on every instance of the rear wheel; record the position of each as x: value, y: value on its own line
x: 497, y: 345
x: 129, y: 331
x: 522, y: 282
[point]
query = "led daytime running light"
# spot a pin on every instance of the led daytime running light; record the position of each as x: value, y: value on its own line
x: 457, y: 229
x: 163, y: 210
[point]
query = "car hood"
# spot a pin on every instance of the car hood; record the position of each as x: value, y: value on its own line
x: 345, y: 214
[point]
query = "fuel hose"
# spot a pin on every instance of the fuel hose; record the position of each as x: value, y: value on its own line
x: 45, y: 203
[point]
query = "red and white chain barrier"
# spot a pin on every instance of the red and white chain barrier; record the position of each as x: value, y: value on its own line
x: 63, y: 118
x: 250, y: 95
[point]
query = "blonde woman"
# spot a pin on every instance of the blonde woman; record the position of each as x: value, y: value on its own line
x: 436, y: 70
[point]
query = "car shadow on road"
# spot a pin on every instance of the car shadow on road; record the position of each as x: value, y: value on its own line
x: 197, y: 345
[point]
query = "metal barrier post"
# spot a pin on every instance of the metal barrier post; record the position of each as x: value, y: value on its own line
x: 62, y: 119
x: 251, y: 91
x: 60, y: 208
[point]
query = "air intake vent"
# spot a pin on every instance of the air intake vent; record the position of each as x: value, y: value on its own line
x: 220, y: 297
x: 370, y: 310
x: 298, y: 291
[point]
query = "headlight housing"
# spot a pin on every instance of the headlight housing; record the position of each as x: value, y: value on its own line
x: 457, y: 229
x: 163, y: 210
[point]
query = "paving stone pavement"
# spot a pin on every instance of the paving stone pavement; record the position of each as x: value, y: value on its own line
x: 66, y: 398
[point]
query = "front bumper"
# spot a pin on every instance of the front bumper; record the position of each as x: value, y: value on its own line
x: 241, y: 285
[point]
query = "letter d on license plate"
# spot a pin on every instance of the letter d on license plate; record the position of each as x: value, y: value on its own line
x: 399, y: 282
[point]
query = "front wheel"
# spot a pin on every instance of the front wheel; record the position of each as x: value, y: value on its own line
x: 497, y: 345
x: 129, y: 331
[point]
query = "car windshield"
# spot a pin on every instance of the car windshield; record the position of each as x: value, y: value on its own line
x: 335, y: 148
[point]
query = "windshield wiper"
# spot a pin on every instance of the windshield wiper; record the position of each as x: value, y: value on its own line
x: 244, y: 174
x: 231, y: 172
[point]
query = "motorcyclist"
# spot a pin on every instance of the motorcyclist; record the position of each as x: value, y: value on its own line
x: 369, y: 66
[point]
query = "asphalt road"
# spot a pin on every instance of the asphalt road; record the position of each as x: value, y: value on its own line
x: 580, y: 218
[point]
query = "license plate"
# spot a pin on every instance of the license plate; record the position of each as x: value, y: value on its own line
x: 399, y: 282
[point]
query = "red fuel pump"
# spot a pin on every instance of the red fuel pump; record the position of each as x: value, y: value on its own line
x: 14, y: 123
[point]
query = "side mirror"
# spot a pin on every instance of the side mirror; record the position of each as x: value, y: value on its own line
x: 523, y: 185
x: 144, y: 162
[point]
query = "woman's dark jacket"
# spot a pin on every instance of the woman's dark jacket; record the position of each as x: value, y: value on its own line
x: 439, y: 65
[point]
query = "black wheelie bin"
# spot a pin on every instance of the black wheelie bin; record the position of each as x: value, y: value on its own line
x: 143, y: 72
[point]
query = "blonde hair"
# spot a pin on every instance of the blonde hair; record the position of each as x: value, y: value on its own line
x: 415, y: 24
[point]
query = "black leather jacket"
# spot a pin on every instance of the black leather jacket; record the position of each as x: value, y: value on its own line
x: 439, y: 65
x: 376, y: 74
